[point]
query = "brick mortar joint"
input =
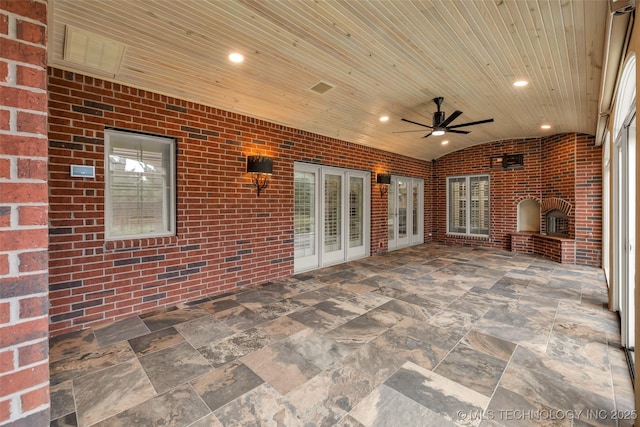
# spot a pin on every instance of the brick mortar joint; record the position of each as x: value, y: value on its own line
x: 26, y: 134
x: 16, y: 402
x: 16, y: 354
x: 14, y: 311
x: 16, y: 17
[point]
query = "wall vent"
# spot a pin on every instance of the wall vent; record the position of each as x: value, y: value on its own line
x: 322, y: 88
x: 92, y: 52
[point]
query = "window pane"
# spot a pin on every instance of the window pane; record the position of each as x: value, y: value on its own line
x: 479, y: 195
x: 356, y: 210
x: 457, y: 205
x: 304, y: 209
x: 332, y: 213
x: 139, y: 185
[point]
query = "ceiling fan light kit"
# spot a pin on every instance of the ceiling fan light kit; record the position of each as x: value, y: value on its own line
x: 440, y: 124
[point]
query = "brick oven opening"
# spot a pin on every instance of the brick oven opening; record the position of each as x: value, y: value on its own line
x: 557, y: 223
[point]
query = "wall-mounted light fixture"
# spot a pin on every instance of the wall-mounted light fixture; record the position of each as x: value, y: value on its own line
x: 260, y: 168
x: 383, y: 180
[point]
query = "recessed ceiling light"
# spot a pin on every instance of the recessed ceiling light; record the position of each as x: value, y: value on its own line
x: 520, y: 83
x: 384, y: 118
x: 545, y: 127
x: 445, y: 142
x: 236, y: 57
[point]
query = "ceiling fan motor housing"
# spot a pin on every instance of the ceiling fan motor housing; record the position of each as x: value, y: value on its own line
x: 438, y: 117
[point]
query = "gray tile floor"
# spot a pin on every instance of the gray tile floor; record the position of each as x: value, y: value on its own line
x: 430, y: 335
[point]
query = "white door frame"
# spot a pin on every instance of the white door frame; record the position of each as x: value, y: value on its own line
x: 310, y: 242
x: 345, y: 252
x: 393, y: 218
x: 624, y: 203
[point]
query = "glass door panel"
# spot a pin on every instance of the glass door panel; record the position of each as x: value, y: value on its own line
x: 402, y: 212
x: 356, y: 210
x: 417, y: 209
x: 631, y: 232
x: 414, y: 209
x: 405, y: 212
x: 359, y: 214
x: 333, y: 248
x: 305, y: 227
x: 627, y: 237
x: 391, y: 215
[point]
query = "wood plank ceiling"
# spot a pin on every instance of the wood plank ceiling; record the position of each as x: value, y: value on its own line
x: 381, y: 57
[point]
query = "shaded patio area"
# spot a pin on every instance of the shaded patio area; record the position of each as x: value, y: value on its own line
x: 427, y: 335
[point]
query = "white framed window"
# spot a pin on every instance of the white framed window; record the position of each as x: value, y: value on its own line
x: 468, y: 205
x: 140, y: 185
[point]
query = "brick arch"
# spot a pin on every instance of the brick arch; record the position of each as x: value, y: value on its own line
x: 526, y: 197
x: 556, y: 203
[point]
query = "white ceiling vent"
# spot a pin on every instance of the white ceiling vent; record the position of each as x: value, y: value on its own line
x: 322, y: 88
x: 93, y: 52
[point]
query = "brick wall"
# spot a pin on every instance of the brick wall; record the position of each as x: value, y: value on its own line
x: 566, y: 166
x: 227, y: 237
x: 24, y: 369
x: 559, y: 177
x: 507, y: 188
x: 588, y: 202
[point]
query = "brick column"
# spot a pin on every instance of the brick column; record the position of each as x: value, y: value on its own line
x: 588, y: 207
x: 24, y: 367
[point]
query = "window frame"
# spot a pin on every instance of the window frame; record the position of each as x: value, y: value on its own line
x: 170, y: 210
x: 468, y: 205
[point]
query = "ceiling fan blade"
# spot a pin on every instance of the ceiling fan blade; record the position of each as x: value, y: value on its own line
x: 471, y: 123
x: 405, y: 131
x: 429, y: 134
x: 451, y: 118
x: 416, y: 123
x: 458, y: 131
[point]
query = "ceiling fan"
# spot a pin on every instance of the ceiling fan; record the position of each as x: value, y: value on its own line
x: 441, y: 125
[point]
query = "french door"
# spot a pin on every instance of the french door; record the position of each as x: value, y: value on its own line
x: 405, y: 212
x: 625, y: 229
x: 331, y: 215
x: 622, y: 164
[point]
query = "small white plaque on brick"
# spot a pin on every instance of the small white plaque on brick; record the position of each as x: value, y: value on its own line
x: 83, y: 171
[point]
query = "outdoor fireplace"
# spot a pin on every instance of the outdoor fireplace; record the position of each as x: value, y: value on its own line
x: 545, y: 228
x: 557, y: 223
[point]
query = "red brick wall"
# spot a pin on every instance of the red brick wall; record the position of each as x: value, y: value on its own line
x: 566, y: 166
x: 559, y: 177
x: 558, y: 250
x: 588, y: 202
x: 227, y: 237
x: 24, y: 367
x: 507, y: 187
x: 522, y: 242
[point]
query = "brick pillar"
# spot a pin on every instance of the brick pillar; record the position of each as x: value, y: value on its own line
x: 588, y: 207
x: 24, y: 361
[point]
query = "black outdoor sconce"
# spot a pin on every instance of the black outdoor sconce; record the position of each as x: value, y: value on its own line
x: 383, y: 180
x: 260, y: 168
